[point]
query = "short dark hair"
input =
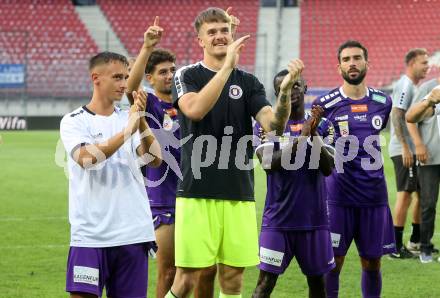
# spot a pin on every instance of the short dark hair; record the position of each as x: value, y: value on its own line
x: 282, y: 74
x: 106, y: 57
x: 211, y: 15
x: 352, y: 44
x: 159, y: 56
x: 413, y: 53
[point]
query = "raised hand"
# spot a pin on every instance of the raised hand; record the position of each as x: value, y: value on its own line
x: 140, y: 100
x: 309, y: 127
x: 234, y: 50
x: 235, y: 22
x: 317, y: 112
x: 153, y: 34
x: 295, y: 68
x: 135, y: 113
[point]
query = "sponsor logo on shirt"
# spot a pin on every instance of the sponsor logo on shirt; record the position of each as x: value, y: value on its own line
x: 343, y: 128
x: 235, y: 92
x: 341, y: 118
x: 333, y: 102
x: 271, y: 257
x: 359, y: 108
x: 336, y: 238
x: 383, y: 99
x: 361, y: 118
x: 296, y: 127
x: 377, y: 122
x: 86, y: 275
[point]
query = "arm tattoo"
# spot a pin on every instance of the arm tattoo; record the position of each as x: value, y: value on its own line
x: 282, y: 111
x: 399, y: 123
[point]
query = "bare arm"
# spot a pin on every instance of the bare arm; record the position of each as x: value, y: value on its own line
x: 425, y: 108
x: 421, y: 150
x: 89, y: 155
x: 137, y: 72
x: 420, y: 111
x: 276, y: 119
x: 399, y: 123
x: 151, y: 37
x: 195, y: 105
x: 149, y: 148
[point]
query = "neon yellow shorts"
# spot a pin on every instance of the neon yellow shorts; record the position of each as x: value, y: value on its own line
x: 209, y: 231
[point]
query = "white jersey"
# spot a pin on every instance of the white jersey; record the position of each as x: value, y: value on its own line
x: 402, y: 96
x: 108, y: 205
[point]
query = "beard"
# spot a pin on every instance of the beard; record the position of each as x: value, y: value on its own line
x: 166, y: 91
x: 357, y: 80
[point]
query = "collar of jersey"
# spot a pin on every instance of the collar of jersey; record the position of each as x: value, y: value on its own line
x: 204, y: 65
x: 116, y: 110
x: 344, y: 96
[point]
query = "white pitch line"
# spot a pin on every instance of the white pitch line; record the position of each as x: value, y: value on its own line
x: 48, y: 218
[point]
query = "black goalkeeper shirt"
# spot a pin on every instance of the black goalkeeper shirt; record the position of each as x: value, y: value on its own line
x: 216, y: 162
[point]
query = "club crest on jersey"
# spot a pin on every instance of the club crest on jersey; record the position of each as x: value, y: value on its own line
x: 377, y: 122
x: 359, y: 108
x: 167, y: 122
x: 343, y: 128
x: 235, y: 92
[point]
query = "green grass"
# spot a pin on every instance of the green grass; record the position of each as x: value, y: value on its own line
x: 35, y: 232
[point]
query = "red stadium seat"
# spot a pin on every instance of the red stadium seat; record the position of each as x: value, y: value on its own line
x: 387, y: 28
x: 176, y: 18
x: 42, y: 35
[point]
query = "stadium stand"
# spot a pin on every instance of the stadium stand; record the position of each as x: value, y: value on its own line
x: 382, y: 26
x: 51, y: 40
x: 176, y: 17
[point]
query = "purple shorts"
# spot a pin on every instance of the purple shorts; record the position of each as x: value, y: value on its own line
x: 370, y: 227
x: 163, y: 216
x: 312, y: 249
x: 122, y: 270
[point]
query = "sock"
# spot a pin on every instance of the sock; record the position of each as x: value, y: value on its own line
x: 415, y: 236
x: 170, y: 295
x: 371, y: 284
x: 229, y: 296
x: 398, y: 232
x: 332, y: 284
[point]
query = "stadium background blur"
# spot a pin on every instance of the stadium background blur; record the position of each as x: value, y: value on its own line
x: 44, y: 50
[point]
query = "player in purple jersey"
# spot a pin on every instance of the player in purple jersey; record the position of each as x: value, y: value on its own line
x: 295, y: 220
x: 161, y: 183
x: 357, y: 191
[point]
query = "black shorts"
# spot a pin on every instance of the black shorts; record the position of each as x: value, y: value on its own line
x: 406, y: 178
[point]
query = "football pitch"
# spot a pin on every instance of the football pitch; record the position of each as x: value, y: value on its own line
x: 34, y: 231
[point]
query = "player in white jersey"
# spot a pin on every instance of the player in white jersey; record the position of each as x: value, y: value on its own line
x: 110, y: 232
x: 401, y: 150
x: 426, y: 113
